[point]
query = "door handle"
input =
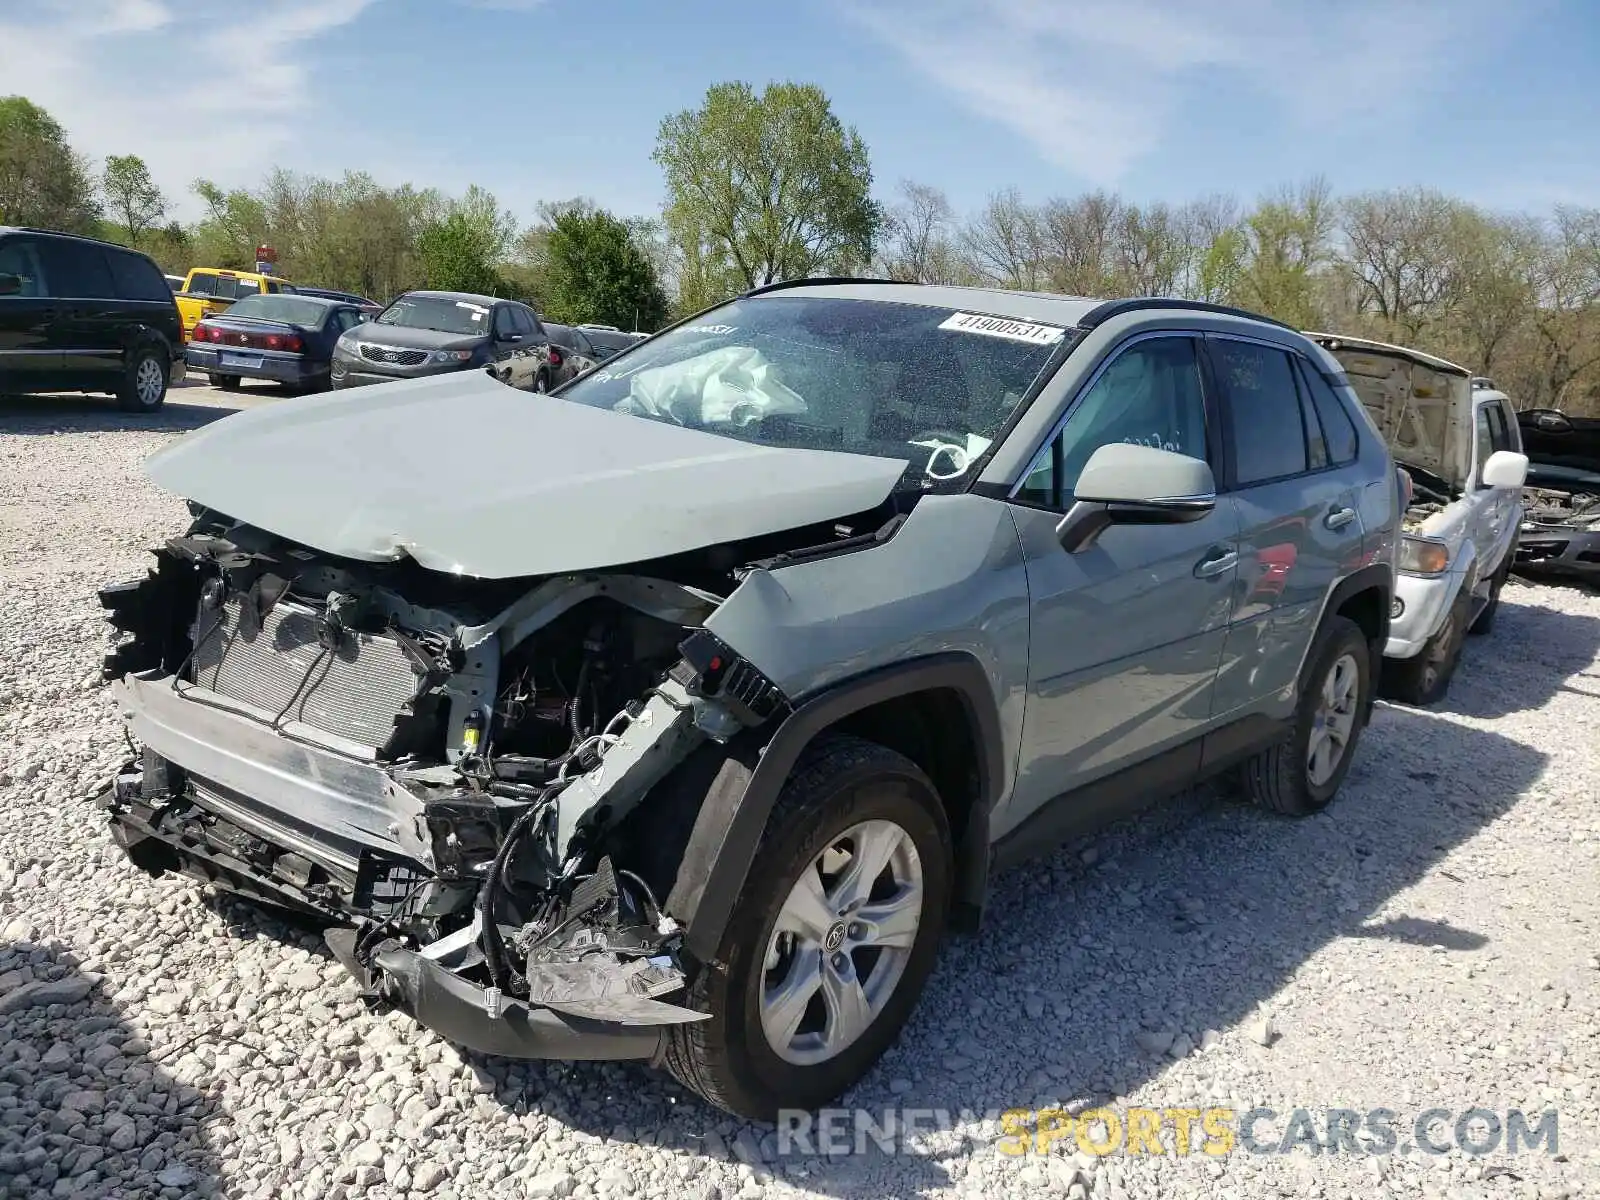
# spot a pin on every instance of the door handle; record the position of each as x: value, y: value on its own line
x: 1339, y: 518
x: 1217, y: 560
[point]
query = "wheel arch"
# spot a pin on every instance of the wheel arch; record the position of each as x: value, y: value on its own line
x: 940, y: 711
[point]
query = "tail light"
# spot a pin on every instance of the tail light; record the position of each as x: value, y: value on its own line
x: 202, y: 333
x: 555, y: 357
x: 284, y: 341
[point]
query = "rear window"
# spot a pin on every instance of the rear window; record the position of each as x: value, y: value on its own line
x: 927, y: 385
x: 136, y: 277
x: 1338, y: 430
x: 202, y: 283
x: 296, y: 310
x: 1269, y: 438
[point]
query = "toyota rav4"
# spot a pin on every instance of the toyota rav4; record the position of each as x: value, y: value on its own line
x: 676, y: 715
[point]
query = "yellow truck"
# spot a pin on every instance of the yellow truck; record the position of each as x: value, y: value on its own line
x: 208, y: 290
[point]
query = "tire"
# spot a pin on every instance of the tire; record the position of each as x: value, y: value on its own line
x: 144, y: 385
x: 1484, y: 622
x: 1337, y: 684
x: 229, y: 383
x: 841, y: 786
x: 1425, y: 678
x: 541, y: 382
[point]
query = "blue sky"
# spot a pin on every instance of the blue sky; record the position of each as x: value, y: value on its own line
x: 547, y: 99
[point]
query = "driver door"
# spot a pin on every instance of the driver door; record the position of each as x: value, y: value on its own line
x: 1125, y: 636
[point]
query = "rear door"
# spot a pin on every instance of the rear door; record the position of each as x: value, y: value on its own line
x: 146, y: 300
x: 89, y: 316
x: 29, y: 362
x: 1125, y: 636
x: 1299, y: 528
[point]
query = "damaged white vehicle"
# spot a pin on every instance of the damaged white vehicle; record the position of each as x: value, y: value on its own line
x: 675, y: 715
x: 1457, y: 438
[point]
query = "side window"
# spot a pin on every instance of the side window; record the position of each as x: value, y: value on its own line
x: 580, y: 344
x: 246, y: 287
x: 1503, y: 433
x: 504, y: 323
x: 77, y: 269
x: 1269, y: 438
x: 346, y: 318
x: 20, y: 257
x: 1338, y: 430
x: 136, y: 277
x: 272, y: 288
x: 1316, y: 443
x: 1485, y: 436
x: 522, y: 322
x: 1149, y: 395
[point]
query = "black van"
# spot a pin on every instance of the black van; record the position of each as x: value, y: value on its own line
x: 80, y: 315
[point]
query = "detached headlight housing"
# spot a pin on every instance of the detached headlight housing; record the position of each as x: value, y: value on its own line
x: 1423, y: 555
x: 445, y: 356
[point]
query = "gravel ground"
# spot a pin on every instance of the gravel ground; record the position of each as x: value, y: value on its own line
x: 1429, y: 942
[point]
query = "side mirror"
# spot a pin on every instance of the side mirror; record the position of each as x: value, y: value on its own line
x: 1505, y: 469
x: 1125, y: 484
x: 10, y: 285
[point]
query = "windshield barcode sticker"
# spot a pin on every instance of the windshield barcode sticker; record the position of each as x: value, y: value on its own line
x: 1002, y: 327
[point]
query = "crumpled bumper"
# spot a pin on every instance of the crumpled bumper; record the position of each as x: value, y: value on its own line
x: 1560, y: 549
x: 457, y: 1010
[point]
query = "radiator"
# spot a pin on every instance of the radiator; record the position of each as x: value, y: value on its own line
x: 354, y: 692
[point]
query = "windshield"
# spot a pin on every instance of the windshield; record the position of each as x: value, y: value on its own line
x: 281, y: 308
x: 930, y: 386
x: 466, y: 317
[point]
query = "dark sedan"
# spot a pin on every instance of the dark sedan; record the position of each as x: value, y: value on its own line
x: 285, y: 338
x: 428, y: 333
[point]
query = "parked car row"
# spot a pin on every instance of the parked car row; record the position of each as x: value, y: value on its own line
x: 84, y: 315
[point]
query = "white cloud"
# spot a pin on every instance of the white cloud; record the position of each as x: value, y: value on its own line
x: 1097, y: 85
x: 196, y: 87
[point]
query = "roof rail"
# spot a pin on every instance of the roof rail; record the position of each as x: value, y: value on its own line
x: 816, y: 281
x: 1115, y: 308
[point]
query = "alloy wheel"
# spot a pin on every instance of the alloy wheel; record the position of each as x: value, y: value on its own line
x: 147, y: 381
x: 841, y: 942
x: 1334, y: 720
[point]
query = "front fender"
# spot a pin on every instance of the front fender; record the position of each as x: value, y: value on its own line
x: 727, y: 831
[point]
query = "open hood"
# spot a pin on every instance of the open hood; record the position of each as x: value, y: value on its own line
x: 1422, y: 405
x: 466, y: 475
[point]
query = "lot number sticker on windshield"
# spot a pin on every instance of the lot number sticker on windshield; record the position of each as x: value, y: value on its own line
x: 1001, y: 327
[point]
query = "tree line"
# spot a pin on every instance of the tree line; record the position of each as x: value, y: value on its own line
x: 770, y: 185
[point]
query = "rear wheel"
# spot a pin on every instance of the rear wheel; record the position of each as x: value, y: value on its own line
x: 1303, y: 772
x: 1425, y: 678
x: 144, y: 385
x: 831, y: 940
x: 541, y: 382
x: 229, y: 383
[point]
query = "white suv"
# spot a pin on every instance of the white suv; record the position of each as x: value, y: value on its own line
x: 1456, y: 436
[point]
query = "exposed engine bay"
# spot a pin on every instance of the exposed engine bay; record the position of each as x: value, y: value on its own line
x: 1547, y: 506
x: 450, y: 761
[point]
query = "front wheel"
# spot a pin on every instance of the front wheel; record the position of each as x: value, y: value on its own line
x: 144, y: 386
x: 831, y: 940
x: 1425, y: 678
x: 1302, y: 773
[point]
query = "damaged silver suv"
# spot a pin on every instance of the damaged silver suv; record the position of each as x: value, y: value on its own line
x: 675, y: 716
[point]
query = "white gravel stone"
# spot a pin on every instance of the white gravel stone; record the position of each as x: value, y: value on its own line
x: 170, y: 1044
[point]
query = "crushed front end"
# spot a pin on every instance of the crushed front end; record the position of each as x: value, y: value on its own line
x: 442, y: 768
x: 1561, y: 531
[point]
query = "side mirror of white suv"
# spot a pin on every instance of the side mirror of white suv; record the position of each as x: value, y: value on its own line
x: 1505, y: 469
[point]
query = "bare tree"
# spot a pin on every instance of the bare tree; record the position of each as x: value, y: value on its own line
x: 1005, y: 244
x: 1398, y: 249
x: 915, y: 244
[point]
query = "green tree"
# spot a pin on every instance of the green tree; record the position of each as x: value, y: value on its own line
x: 765, y: 187
x: 596, y: 272
x: 234, y: 225
x: 43, y: 181
x: 457, y: 256
x: 131, y: 196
